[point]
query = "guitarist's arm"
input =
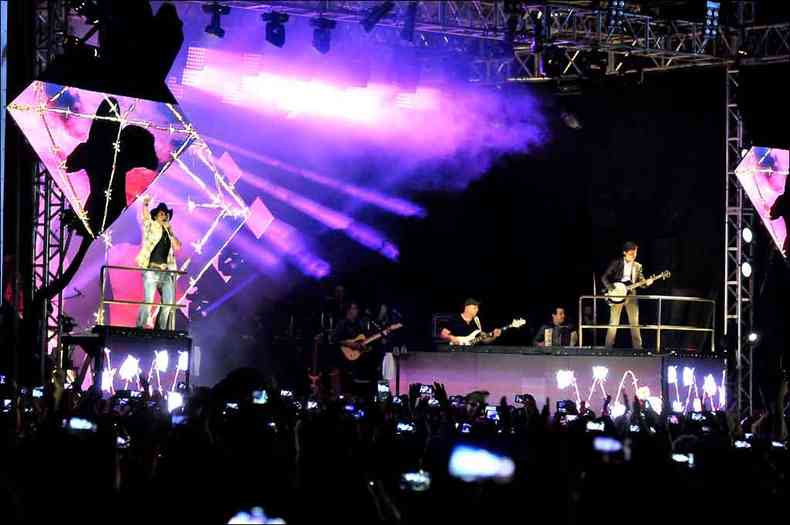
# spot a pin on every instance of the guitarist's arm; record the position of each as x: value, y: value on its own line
x: 446, y: 335
x: 608, y: 275
x: 641, y: 276
x: 496, y: 333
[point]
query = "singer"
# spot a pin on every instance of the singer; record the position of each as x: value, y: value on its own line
x: 157, y: 253
x: 466, y: 323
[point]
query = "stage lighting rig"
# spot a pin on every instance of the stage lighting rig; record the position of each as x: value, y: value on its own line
x: 275, y: 27
x: 322, y: 34
x: 375, y: 15
x: 712, y: 19
x: 216, y: 11
x: 539, y: 27
x: 615, y: 13
x: 409, y: 22
x: 747, y: 234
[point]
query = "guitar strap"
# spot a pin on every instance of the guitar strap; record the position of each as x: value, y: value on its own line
x: 477, y: 322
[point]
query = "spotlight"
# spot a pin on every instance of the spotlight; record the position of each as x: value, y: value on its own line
x: 375, y: 15
x: 747, y: 235
x: 753, y: 338
x: 216, y: 11
x: 712, y: 19
x: 615, y: 12
x: 275, y: 28
x: 322, y: 33
x: 409, y: 21
x: 746, y: 269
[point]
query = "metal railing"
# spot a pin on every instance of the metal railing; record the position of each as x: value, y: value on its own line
x: 103, y: 301
x: 659, y: 327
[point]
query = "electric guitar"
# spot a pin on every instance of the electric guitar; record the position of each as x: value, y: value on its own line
x: 478, y: 335
x: 617, y: 294
x: 352, y: 354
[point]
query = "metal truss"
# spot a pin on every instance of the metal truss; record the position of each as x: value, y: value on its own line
x: 49, y: 250
x: 738, y: 285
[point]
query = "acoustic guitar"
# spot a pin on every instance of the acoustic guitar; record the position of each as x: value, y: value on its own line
x: 352, y: 354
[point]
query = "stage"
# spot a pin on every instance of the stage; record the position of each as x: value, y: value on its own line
x: 578, y: 374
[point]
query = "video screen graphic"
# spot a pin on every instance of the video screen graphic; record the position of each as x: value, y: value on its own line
x: 763, y: 174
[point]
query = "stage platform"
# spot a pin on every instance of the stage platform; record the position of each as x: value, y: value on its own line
x: 588, y: 373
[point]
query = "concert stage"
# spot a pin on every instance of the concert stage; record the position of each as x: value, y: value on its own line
x: 570, y: 373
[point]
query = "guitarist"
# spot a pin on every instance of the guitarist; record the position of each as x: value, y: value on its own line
x: 466, y: 323
x: 366, y: 367
x: 624, y: 269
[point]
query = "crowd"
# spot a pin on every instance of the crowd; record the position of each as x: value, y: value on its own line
x: 248, y: 451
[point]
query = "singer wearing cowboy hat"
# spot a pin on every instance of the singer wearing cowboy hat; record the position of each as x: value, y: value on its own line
x: 157, y: 253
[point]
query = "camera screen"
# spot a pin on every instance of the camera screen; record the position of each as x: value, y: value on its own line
x: 38, y: 392
x: 607, y: 445
x: 286, y: 393
x: 593, y: 426
x: 426, y: 390
x: 312, y: 405
x: 472, y: 463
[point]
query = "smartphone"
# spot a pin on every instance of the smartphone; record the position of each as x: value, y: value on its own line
x: 673, y: 420
x: 571, y: 417
x: 777, y: 444
x: 684, y: 458
x: 178, y: 419
x: 470, y: 463
x: 634, y: 428
x: 121, y: 442
x: 426, y: 390
x: 404, y: 428
x: 564, y: 406
x: 136, y: 394
x: 491, y: 413
x: 383, y: 390
x: 2, y: 379
x: 287, y: 394
x: 174, y: 400
x: 464, y: 428
x: 78, y: 424
x: 433, y: 402
x: 312, y: 405
x: 260, y: 397
x: 594, y: 426
x: 742, y: 444
x: 38, y: 392
x: 7, y: 404
x: 358, y: 414
x: 419, y: 481
x: 397, y: 400
x: 457, y: 401
x: 350, y: 408
x: 607, y: 445
x: 697, y: 416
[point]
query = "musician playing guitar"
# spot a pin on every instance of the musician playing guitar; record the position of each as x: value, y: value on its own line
x: 626, y: 270
x: 466, y: 323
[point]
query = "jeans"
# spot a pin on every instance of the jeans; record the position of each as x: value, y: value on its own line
x: 165, y: 283
x: 632, y: 309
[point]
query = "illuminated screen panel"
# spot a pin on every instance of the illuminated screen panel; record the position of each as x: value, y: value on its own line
x: 763, y: 175
x: 104, y: 152
x: 695, y: 384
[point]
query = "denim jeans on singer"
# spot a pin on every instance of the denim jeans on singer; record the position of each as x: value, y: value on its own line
x: 164, y: 283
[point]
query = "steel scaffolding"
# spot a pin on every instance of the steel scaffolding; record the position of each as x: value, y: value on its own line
x: 49, y: 251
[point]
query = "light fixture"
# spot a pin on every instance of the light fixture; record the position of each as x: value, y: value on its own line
x: 615, y: 13
x: 216, y: 11
x: 375, y: 15
x: 747, y: 235
x: 322, y: 33
x: 409, y: 21
x: 753, y: 338
x: 275, y: 28
x: 712, y: 19
x: 746, y: 269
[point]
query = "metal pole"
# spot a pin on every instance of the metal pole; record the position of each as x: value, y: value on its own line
x: 658, y: 331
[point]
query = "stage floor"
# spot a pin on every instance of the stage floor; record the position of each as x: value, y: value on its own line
x: 569, y: 373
